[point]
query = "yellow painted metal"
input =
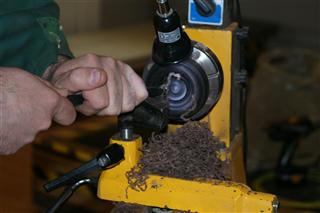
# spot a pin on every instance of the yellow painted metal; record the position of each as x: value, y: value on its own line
x: 237, y: 169
x: 219, y: 118
x: 198, y: 196
x: 117, y: 174
x: 220, y: 42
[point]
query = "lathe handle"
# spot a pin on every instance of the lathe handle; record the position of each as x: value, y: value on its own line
x: 108, y: 157
x: 76, y: 99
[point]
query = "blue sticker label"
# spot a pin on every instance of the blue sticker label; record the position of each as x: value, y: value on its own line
x: 216, y: 19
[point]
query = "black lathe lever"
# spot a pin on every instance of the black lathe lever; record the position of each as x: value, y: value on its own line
x: 68, y: 192
x: 110, y: 156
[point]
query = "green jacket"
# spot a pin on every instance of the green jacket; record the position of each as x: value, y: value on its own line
x: 31, y: 37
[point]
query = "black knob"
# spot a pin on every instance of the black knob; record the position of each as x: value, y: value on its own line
x: 205, y: 8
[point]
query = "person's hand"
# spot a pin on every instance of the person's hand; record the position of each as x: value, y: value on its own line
x: 28, y: 105
x: 121, y: 91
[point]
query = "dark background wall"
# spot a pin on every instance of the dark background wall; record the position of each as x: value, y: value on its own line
x: 298, y: 21
x: 123, y: 12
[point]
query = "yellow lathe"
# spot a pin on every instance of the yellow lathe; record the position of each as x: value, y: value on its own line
x: 198, y: 68
x: 224, y: 120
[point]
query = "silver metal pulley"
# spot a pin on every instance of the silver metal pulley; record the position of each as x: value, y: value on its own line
x: 192, y: 86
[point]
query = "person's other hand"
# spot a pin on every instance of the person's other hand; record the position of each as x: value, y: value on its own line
x: 121, y: 91
x: 28, y: 105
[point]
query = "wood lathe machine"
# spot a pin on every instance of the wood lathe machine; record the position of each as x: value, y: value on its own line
x: 195, y: 74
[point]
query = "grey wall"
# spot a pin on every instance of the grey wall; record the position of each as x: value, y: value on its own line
x: 80, y: 15
x: 299, y: 21
x: 291, y: 13
x: 124, y: 12
x: 90, y: 15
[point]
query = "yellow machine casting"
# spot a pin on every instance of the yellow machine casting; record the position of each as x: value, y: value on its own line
x: 198, y: 73
x: 196, y: 196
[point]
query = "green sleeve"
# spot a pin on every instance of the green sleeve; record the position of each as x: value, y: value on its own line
x: 31, y: 37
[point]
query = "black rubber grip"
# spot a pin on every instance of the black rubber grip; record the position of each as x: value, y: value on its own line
x: 76, y: 99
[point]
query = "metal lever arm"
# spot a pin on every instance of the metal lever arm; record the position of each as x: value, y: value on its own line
x: 68, y: 192
x: 108, y: 157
